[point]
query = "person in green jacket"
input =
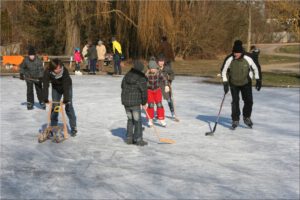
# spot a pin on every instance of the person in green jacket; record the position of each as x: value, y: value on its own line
x: 237, y: 72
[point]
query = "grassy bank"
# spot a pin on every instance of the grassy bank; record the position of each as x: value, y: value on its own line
x: 210, y: 68
x: 270, y: 80
x: 294, y: 49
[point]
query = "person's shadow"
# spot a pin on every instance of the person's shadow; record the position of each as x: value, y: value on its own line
x: 223, y: 121
x: 119, y: 132
x: 35, y: 105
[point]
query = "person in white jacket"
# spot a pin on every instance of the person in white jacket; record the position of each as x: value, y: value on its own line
x: 84, y: 54
x: 101, y: 51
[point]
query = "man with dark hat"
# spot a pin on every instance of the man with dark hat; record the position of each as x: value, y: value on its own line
x: 237, y: 72
x: 32, y: 71
x: 165, y: 49
x: 134, y: 94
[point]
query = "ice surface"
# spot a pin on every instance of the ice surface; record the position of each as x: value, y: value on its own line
x: 258, y: 163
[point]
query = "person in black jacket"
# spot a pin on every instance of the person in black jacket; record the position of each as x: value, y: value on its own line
x: 61, y: 82
x: 134, y: 94
x: 32, y: 71
x: 237, y: 73
x: 169, y: 75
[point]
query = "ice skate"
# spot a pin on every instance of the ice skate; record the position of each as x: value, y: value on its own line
x: 234, y: 125
x: 150, y: 123
x: 248, y: 122
x: 141, y: 143
x: 163, y: 122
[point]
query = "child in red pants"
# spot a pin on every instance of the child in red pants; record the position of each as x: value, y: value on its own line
x: 155, y: 79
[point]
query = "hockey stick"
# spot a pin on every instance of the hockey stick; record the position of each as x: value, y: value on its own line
x: 214, y: 129
x: 64, y: 121
x: 28, y: 79
x: 164, y: 140
x: 172, y: 99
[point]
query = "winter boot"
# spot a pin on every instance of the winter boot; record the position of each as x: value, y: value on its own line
x: 129, y: 140
x: 141, y: 143
x: 235, y: 124
x: 43, y: 105
x: 73, y: 131
x: 163, y: 122
x: 150, y: 123
x: 29, y: 106
x: 174, y: 117
x: 248, y: 122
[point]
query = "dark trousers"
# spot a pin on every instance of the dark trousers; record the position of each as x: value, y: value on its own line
x: 117, y: 64
x: 134, y: 123
x: 93, y: 63
x: 56, y: 96
x: 246, y: 92
x: 77, y: 66
x: 171, y: 105
x: 38, y: 89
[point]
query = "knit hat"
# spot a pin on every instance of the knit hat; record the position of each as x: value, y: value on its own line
x: 153, y: 64
x: 138, y: 65
x: 161, y: 57
x: 31, y: 50
x: 238, y: 42
x: 237, y: 48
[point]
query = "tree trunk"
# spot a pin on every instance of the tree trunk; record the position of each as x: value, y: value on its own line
x: 72, y: 27
x: 249, y: 27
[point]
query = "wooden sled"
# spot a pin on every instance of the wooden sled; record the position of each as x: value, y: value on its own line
x: 54, y: 132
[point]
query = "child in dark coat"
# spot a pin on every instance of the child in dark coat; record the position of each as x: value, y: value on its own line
x: 61, y: 82
x: 134, y: 94
x: 168, y: 73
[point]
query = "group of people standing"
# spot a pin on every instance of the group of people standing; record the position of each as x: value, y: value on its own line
x: 92, y: 55
x: 143, y: 90
x: 33, y: 72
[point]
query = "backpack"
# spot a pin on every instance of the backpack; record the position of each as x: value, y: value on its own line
x: 239, y: 72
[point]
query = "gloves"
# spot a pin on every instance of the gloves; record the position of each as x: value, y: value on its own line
x: 22, y: 77
x: 145, y: 106
x: 258, y: 84
x: 167, y: 89
x: 226, y: 87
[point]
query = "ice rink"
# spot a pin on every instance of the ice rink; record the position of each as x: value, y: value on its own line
x: 258, y: 163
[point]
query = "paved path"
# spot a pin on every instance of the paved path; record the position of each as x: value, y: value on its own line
x: 271, y: 49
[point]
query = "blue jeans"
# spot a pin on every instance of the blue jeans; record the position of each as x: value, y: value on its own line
x: 56, y: 96
x: 77, y: 66
x: 93, y: 63
x: 134, y: 123
x: 117, y: 64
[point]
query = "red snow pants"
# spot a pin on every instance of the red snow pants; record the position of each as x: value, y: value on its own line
x: 155, y: 97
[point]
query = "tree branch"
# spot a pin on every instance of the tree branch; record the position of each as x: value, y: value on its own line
x: 118, y: 12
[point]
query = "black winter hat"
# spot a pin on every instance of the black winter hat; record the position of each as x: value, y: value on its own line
x: 160, y: 57
x: 237, y: 49
x: 238, y: 42
x: 138, y: 65
x: 31, y: 50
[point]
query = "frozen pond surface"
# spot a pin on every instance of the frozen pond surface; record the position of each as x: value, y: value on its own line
x: 258, y: 163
